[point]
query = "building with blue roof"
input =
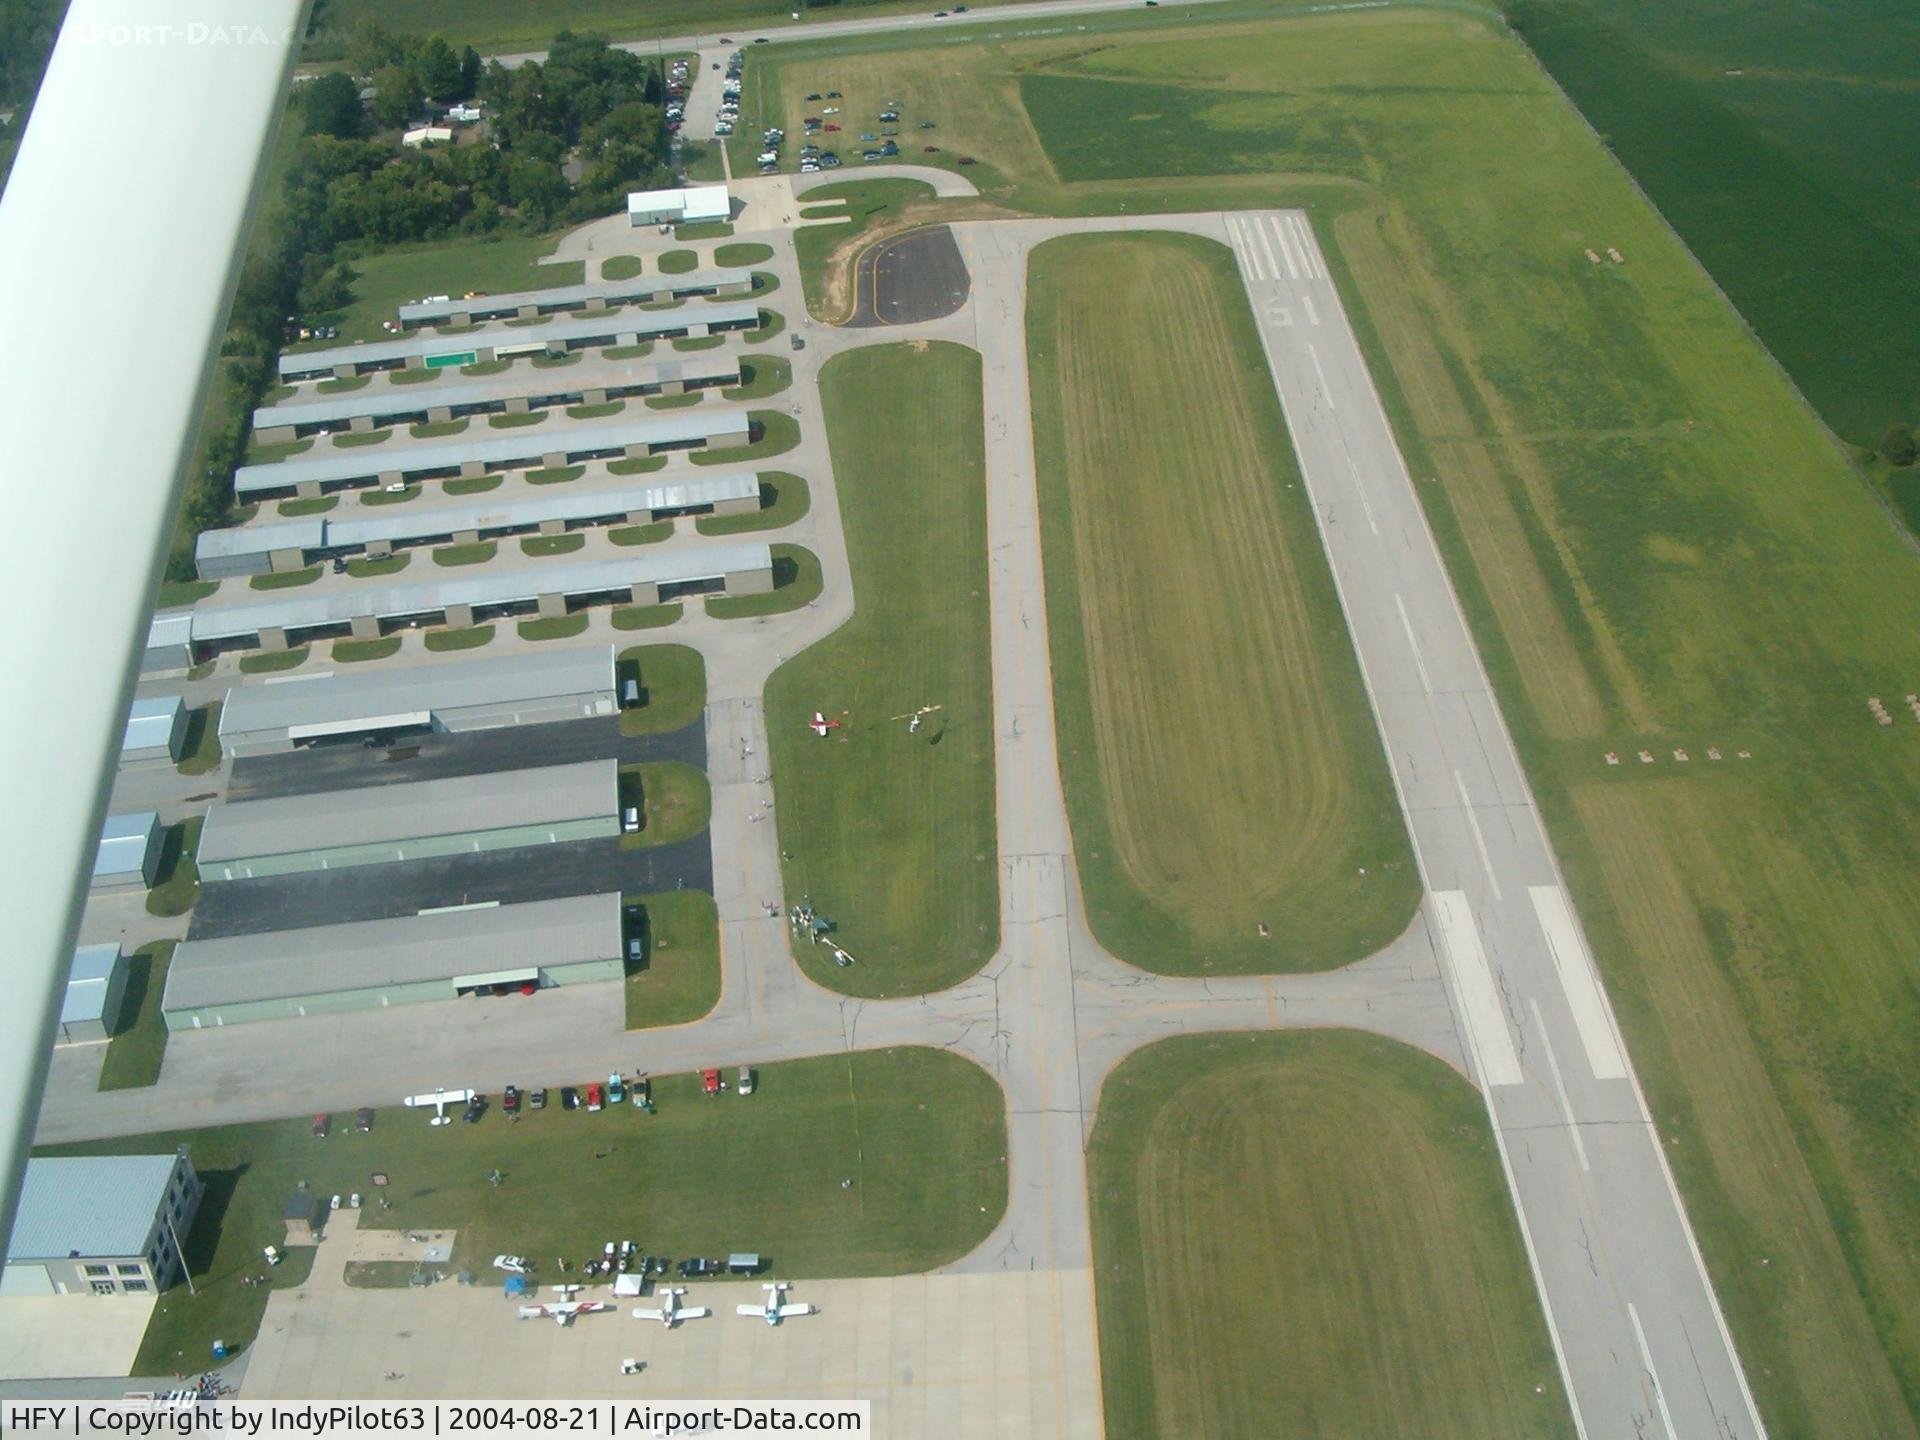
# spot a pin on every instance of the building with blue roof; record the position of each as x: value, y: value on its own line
x: 105, y: 1224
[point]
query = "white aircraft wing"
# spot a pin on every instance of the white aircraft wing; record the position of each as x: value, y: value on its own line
x: 759, y: 1312
x: 692, y: 1312
x: 642, y: 1313
x: 788, y: 1312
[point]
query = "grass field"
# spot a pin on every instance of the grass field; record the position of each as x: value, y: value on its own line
x: 796, y: 582
x: 673, y: 688
x: 679, y: 978
x: 139, y: 1043
x: 892, y: 835
x: 384, y: 281
x: 784, y: 498
x: 471, y: 638
x: 920, y: 1132
x: 553, y: 627
x: 674, y: 800
x: 176, y: 884
x: 1778, y: 137
x: 1221, y: 765
x: 867, y: 206
x: 1336, y: 1203
x: 200, y: 747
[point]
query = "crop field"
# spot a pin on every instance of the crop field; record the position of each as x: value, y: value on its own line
x: 1308, y: 1234
x: 893, y: 834
x: 1658, y: 547
x: 1778, y: 136
x: 922, y: 1133
x: 1222, y: 768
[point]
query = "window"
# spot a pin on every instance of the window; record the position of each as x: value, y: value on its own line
x: 133, y: 1269
x: 98, y: 1270
x: 135, y: 1285
x: 103, y: 1287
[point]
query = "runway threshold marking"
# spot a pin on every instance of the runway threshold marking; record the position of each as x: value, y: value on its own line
x: 1479, y: 838
x: 1560, y: 1088
x: 1243, y: 242
x: 1486, y: 1018
x: 1578, y: 980
x: 1653, y: 1375
x: 1309, y: 247
x: 1286, y: 252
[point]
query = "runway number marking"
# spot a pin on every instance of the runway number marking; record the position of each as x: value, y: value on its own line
x: 1579, y: 982
x: 1486, y: 1018
x: 1560, y: 1088
x: 1653, y: 1375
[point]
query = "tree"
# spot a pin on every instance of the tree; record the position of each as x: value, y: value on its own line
x: 439, y: 69
x: 1898, y: 446
x: 372, y: 48
x: 469, y: 72
x: 331, y: 106
x: 396, y: 95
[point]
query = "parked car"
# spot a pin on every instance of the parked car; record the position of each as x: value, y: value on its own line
x: 569, y: 1098
x: 796, y: 342
x: 476, y: 1107
x: 513, y: 1264
x: 510, y: 1100
x: 967, y: 160
x: 363, y: 1119
x: 697, y: 1268
x: 930, y: 149
x: 710, y: 1081
x: 814, y: 96
x: 616, y: 1089
x: 537, y: 1099
x: 595, y: 1100
x: 833, y: 94
x: 321, y: 1124
x: 744, y: 1084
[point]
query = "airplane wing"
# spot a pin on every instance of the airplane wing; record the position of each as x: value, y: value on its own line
x: 642, y: 1313
x: 532, y: 1312
x: 788, y: 1312
x: 759, y: 1312
x: 696, y: 1312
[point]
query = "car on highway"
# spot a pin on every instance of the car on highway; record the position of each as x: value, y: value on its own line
x: 759, y: 39
x: 569, y: 1098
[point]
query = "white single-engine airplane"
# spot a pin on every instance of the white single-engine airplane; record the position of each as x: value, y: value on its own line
x: 915, y: 717
x: 562, y: 1313
x: 671, y: 1313
x: 773, y: 1312
x: 820, y: 725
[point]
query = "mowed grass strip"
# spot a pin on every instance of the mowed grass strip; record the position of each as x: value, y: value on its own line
x: 893, y: 834
x: 1308, y: 1234
x: 920, y: 1132
x: 1222, y: 769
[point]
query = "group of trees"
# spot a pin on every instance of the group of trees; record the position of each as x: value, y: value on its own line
x: 1900, y: 445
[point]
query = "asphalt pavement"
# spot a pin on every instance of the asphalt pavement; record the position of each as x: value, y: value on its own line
x: 909, y: 279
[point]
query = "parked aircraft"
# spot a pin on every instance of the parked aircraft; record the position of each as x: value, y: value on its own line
x: 773, y: 1312
x: 671, y: 1312
x: 562, y: 1312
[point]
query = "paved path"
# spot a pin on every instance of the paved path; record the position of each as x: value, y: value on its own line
x: 1494, y: 976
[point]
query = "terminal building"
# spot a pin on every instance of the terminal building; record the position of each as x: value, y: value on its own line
x: 691, y: 205
x: 101, y: 1224
x: 554, y: 445
x: 453, y: 396
x: 463, y: 695
x: 373, y: 964
x: 589, y: 299
x: 96, y: 987
x: 498, y: 810
x: 548, y: 587
x: 129, y: 855
x: 380, y: 531
x: 557, y: 336
x: 156, y: 730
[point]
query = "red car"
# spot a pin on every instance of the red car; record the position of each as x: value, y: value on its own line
x: 710, y: 1081
x: 594, y: 1098
x: 321, y: 1123
x: 829, y: 127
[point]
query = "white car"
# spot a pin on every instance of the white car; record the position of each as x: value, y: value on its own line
x: 513, y: 1264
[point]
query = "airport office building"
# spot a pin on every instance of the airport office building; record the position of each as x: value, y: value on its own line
x: 101, y: 1224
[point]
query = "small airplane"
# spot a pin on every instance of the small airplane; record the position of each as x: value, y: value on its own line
x: 671, y: 1312
x: 773, y: 1312
x: 914, y: 717
x: 563, y: 1312
x: 820, y: 725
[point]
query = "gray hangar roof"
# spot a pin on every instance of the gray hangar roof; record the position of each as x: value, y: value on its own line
x: 150, y: 722
x: 412, y: 522
x: 369, y: 954
x: 87, y: 981
x: 575, y: 437
x: 420, y: 347
x: 346, y: 695
x: 586, y: 577
x: 497, y: 800
x: 169, y: 627
x: 92, y: 1204
x: 123, y: 843
x: 639, y: 289
x: 456, y: 389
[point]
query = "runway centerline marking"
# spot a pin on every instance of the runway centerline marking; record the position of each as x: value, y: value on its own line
x: 1479, y: 839
x: 1326, y: 390
x: 1313, y: 316
x: 1653, y: 1375
x: 1412, y: 644
x: 1560, y: 1088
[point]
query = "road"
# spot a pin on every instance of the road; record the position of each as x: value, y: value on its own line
x: 1494, y: 977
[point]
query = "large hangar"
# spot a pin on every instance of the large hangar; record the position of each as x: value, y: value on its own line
x: 563, y: 299
x: 500, y: 810
x: 555, y: 337
x: 532, y: 688
x: 373, y: 964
